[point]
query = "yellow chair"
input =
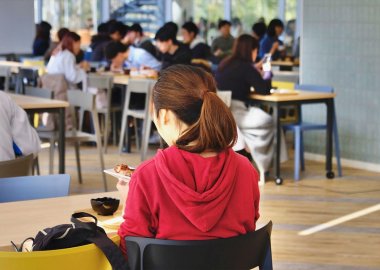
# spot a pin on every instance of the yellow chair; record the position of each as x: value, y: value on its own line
x: 35, y: 63
x: 283, y: 85
x: 289, y: 114
x: 87, y: 257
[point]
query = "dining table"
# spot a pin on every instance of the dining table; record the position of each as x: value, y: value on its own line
x: 298, y: 98
x: 23, y: 219
x: 39, y: 105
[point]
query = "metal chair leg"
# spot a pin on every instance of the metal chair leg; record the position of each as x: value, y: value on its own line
x: 297, y: 153
x: 337, y: 147
x: 77, y: 156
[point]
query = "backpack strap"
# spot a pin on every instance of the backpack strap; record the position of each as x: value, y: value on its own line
x: 110, y: 250
x: 92, y: 226
x: 101, y: 240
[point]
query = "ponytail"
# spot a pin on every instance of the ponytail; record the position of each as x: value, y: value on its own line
x: 215, y: 129
x: 190, y: 92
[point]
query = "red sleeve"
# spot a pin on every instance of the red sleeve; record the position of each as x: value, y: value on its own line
x: 138, y: 218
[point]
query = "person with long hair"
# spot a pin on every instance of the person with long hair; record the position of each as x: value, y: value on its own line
x: 270, y: 43
x: 198, y: 187
x: 41, y: 42
x: 63, y: 60
x: 238, y: 74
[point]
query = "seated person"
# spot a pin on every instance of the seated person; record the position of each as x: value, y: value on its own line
x: 172, y: 52
x: 63, y: 60
x: 258, y: 30
x: 117, y: 30
x: 60, y: 35
x: 18, y: 137
x: 98, y: 42
x: 270, y: 42
x: 42, y: 41
x: 137, y: 38
x: 237, y: 73
x: 122, y: 55
x: 197, y: 188
x: 199, y: 49
x: 222, y: 45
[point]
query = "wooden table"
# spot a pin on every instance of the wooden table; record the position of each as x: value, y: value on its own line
x: 23, y: 219
x: 38, y: 105
x: 302, y: 97
x: 16, y: 65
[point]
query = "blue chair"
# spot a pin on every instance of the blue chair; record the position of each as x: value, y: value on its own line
x: 299, y: 127
x: 34, y: 187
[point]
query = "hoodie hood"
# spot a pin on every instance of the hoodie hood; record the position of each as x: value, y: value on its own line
x: 199, y: 187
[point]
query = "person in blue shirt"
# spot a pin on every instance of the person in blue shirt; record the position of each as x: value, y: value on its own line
x: 122, y: 55
x: 270, y: 42
x: 41, y: 42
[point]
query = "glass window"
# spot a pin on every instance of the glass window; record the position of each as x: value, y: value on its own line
x: 250, y: 11
x: 73, y: 14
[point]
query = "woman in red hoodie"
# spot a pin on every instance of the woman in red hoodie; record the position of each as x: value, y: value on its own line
x: 198, y: 187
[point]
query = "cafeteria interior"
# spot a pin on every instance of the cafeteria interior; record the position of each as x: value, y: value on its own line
x: 317, y: 176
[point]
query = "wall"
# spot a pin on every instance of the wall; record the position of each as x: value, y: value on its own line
x: 340, y: 46
x: 17, y: 27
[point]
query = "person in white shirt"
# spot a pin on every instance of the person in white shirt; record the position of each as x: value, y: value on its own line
x: 125, y: 55
x: 16, y: 133
x: 63, y: 61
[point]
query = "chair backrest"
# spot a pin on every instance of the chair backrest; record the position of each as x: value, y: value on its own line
x: 283, y: 85
x: 26, y: 76
x: 6, y: 73
x: 140, y: 85
x: 39, y: 92
x: 34, y: 187
x: 87, y: 257
x: 100, y: 81
x: 21, y: 166
x: 317, y: 88
x: 84, y: 100
x: 241, y: 252
x: 226, y: 96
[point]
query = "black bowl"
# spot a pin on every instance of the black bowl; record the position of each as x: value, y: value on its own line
x: 105, y: 206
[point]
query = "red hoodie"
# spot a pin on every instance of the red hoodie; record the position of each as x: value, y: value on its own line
x: 180, y: 195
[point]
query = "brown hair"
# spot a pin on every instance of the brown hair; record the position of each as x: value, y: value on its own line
x: 67, y: 42
x: 190, y: 92
x: 242, y: 50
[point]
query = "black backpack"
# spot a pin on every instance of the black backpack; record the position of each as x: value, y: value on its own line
x: 78, y: 234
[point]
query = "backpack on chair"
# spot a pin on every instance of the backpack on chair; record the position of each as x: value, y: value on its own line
x: 78, y: 233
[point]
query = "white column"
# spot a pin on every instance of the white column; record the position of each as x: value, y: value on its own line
x: 299, y: 18
x: 168, y: 10
x: 66, y: 14
x: 106, y: 11
x: 281, y: 10
x: 38, y: 11
x: 227, y: 10
x: 95, y: 14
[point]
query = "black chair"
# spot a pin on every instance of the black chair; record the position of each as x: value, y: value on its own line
x: 241, y: 252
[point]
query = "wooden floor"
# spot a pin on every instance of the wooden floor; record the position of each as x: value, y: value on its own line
x: 293, y: 207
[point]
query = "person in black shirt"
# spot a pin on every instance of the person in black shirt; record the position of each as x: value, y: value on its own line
x: 99, y: 42
x: 137, y: 38
x: 172, y: 52
x: 199, y: 49
x: 238, y: 73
